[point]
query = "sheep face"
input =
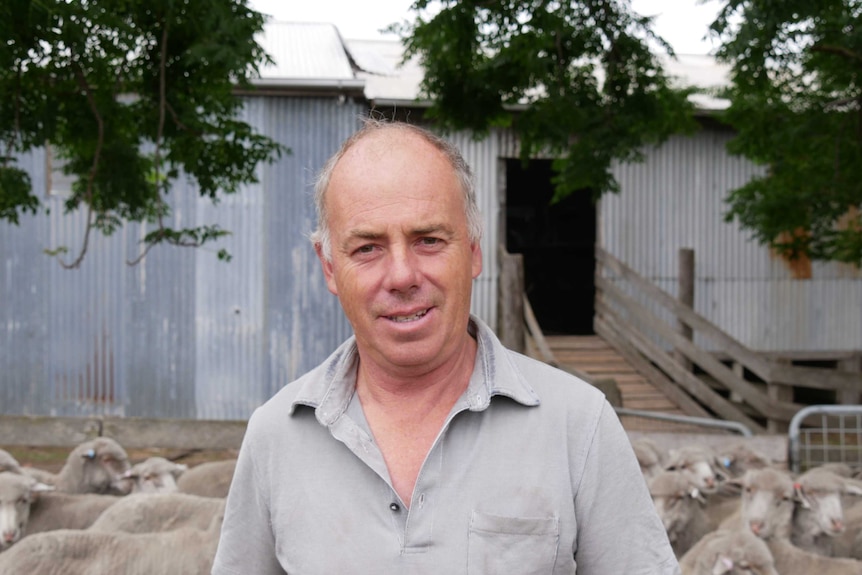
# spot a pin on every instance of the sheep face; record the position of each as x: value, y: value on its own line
x: 768, y: 501
x: 676, y: 496
x: 819, y: 493
x: 155, y: 475
x: 16, y: 495
x: 701, y: 463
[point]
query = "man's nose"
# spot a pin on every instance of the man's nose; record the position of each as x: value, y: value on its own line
x: 403, y: 272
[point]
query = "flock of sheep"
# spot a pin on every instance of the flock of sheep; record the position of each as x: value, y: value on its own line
x: 733, y: 511
x: 729, y: 511
x: 101, y: 515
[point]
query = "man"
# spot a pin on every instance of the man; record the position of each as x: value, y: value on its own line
x: 422, y: 445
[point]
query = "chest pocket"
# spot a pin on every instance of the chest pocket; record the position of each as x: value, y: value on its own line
x: 512, y: 545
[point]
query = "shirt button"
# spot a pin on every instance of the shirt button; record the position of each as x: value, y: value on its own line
x: 394, y: 507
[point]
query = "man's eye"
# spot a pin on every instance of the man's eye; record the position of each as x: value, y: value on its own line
x: 365, y: 249
x: 430, y: 241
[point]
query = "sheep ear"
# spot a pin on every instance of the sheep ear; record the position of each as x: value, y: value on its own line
x: 696, y: 495
x: 799, y: 492
x: 722, y: 565
x: 179, y: 469
x: 89, y: 454
x: 38, y: 487
x: 852, y: 487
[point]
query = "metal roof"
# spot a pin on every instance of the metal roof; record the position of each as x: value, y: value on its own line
x: 306, y: 54
x: 315, y: 55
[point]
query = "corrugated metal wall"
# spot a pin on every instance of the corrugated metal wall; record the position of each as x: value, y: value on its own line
x: 182, y: 334
x: 483, y: 157
x: 185, y: 335
x: 676, y: 200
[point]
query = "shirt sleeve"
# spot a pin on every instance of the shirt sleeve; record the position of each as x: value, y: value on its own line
x: 247, y: 544
x: 619, y: 530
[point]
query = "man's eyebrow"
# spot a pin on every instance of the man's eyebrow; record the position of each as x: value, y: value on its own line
x: 433, y: 229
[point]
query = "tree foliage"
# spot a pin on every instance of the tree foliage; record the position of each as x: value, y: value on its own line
x: 796, y: 102
x: 574, y: 79
x: 130, y: 94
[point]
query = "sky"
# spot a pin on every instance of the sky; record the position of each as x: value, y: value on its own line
x: 683, y: 23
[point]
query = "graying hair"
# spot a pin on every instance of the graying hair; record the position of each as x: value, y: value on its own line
x: 321, y: 236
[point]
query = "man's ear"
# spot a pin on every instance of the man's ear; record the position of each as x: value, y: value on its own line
x: 477, y: 259
x: 326, y: 265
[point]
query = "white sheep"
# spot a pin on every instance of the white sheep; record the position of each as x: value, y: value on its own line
x: 52, y: 511
x: 700, y: 461
x: 791, y: 560
x: 185, y: 551
x: 8, y: 463
x: 151, y: 512
x: 737, y: 458
x: 819, y: 515
x: 767, y: 507
x: 208, y: 479
x: 767, y: 503
x: 155, y: 475
x: 16, y: 494
x: 650, y: 456
x: 679, y: 503
x: 726, y: 552
x: 95, y: 466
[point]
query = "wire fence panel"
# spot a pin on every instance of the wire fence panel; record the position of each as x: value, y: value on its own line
x: 820, y: 434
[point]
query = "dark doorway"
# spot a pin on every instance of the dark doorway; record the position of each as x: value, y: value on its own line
x: 557, y: 242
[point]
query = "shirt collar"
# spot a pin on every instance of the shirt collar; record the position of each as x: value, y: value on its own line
x: 330, y: 386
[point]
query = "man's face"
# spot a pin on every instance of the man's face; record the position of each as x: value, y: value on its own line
x: 402, y: 263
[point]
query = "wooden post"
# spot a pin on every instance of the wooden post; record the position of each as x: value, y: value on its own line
x: 686, y: 297
x: 850, y: 396
x: 510, y: 301
x: 777, y: 392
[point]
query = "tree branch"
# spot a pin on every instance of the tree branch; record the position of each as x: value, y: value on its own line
x: 91, y: 178
x: 839, y: 50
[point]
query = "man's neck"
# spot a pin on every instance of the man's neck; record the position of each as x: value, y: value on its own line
x: 416, y: 393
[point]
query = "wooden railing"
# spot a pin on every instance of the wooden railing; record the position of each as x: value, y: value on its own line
x: 656, y: 332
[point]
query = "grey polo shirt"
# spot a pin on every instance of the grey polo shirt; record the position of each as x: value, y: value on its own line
x: 531, y: 473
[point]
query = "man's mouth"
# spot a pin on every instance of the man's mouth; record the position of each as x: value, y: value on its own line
x: 407, y: 318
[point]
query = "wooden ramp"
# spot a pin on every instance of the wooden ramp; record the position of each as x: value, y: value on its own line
x: 592, y: 355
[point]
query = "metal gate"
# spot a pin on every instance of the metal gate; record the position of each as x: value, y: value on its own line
x: 821, y: 434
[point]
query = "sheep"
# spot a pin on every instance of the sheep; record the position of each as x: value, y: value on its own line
x: 52, y: 511
x: 791, y: 560
x: 679, y: 505
x: 16, y: 493
x: 185, y: 551
x: 40, y: 475
x: 9, y: 463
x: 151, y: 512
x: 649, y: 455
x: 155, y: 475
x: 737, y: 458
x: 819, y: 514
x: 208, y: 479
x: 95, y: 466
x: 702, y: 462
x: 849, y: 543
x: 768, y: 502
x: 726, y: 552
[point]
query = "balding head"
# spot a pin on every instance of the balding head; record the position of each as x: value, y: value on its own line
x: 378, y: 128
